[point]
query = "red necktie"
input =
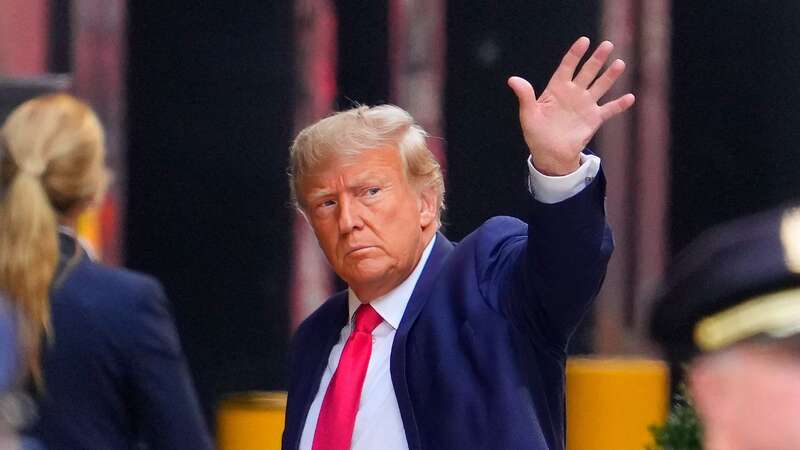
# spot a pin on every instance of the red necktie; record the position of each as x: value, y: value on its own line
x: 340, y: 405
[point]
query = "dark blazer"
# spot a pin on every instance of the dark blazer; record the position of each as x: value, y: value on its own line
x: 478, y: 359
x: 115, y: 376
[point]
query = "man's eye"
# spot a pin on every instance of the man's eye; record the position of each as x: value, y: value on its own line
x: 373, y: 191
x: 327, y: 204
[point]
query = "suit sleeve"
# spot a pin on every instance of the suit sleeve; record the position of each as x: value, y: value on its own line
x: 166, y: 406
x: 545, y: 276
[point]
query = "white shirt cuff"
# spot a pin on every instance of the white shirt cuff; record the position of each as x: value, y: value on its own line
x: 549, y: 189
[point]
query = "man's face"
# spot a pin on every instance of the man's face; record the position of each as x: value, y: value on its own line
x: 748, y: 399
x: 371, y: 223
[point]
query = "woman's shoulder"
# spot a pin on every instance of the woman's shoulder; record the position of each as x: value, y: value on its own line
x: 122, y: 277
x: 80, y: 274
x: 104, y: 288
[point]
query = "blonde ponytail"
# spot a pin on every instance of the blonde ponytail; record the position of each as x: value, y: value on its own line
x: 51, y: 163
x: 28, y: 260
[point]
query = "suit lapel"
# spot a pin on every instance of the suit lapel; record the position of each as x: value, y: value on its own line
x: 419, y: 297
x: 315, y: 359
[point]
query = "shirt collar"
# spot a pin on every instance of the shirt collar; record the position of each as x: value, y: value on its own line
x: 85, y: 246
x: 392, y: 305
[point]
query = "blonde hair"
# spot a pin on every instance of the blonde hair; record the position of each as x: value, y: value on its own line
x: 51, y: 163
x: 360, y: 129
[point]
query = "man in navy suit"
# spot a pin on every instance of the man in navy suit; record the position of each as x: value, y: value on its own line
x: 435, y: 345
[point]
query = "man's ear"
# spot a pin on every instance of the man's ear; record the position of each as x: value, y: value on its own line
x: 427, y: 207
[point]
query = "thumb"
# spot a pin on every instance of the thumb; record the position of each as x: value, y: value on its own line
x: 524, y: 91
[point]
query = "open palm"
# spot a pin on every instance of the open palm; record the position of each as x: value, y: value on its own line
x: 560, y: 122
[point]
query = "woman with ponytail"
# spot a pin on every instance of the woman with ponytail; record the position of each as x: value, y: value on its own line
x: 98, y: 343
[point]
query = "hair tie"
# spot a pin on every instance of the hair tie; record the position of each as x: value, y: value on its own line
x: 32, y: 168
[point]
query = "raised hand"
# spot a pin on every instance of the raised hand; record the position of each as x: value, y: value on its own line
x: 560, y: 122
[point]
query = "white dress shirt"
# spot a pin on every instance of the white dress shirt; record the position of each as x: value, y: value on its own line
x: 378, y: 421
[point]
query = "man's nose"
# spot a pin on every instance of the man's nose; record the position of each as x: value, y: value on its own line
x: 349, y: 215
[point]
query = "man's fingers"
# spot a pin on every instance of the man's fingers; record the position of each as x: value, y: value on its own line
x: 617, y: 106
x: 524, y: 91
x: 592, y: 66
x: 607, y: 79
x: 569, y: 63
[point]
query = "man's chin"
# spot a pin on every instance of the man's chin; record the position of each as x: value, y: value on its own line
x: 369, y: 278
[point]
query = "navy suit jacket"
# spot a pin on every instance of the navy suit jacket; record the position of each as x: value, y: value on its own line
x: 115, y: 376
x: 478, y: 359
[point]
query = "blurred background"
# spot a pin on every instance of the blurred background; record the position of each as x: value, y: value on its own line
x: 200, y: 101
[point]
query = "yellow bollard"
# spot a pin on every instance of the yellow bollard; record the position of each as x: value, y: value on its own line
x: 251, y: 421
x: 612, y: 402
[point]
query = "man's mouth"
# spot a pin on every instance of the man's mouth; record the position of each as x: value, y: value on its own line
x: 359, y: 249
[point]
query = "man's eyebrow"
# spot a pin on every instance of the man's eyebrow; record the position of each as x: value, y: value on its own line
x: 364, y: 178
x: 318, y: 193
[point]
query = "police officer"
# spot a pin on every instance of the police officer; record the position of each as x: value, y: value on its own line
x: 729, y: 312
